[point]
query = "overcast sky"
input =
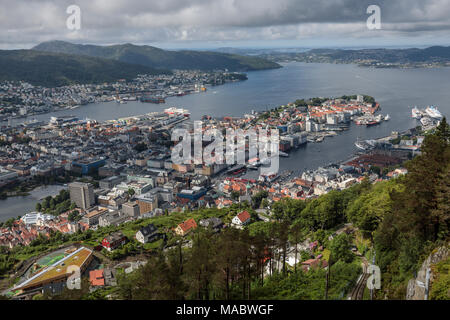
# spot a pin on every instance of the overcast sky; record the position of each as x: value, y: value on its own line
x: 219, y: 23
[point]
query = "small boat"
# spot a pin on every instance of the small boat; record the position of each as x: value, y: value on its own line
x: 415, y: 113
x: 387, y: 117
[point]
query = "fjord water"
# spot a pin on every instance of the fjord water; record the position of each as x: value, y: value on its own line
x: 395, y: 89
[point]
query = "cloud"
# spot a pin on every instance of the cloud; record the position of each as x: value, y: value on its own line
x: 27, y: 22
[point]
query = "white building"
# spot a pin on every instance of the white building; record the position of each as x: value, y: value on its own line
x: 241, y: 219
x: 36, y: 218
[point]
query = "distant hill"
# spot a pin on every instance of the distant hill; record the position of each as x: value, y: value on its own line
x: 159, y: 58
x: 58, y: 69
x: 437, y: 55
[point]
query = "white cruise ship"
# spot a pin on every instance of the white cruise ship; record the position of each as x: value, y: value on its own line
x: 433, y: 112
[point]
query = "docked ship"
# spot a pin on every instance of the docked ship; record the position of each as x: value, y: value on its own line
x: 415, y: 113
x: 433, y: 112
x: 270, y: 177
x: 177, y: 111
x: 152, y: 99
x: 62, y: 119
x: 364, y: 145
x: 360, y: 122
x: 374, y: 121
x: 370, y: 120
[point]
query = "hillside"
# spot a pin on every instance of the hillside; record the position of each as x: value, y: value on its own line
x: 57, y: 69
x: 159, y: 58
x: 381, y: 57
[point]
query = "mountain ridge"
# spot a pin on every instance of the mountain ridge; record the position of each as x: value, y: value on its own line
x: 58, y: 69
x: 159, y: 58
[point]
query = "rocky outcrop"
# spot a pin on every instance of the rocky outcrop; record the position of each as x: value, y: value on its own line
x: 416, y: 286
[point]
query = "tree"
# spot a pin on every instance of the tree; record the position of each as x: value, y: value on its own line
x: 131, y: 192
x: 375, y: 169
x: 368, y: 209
x: 264, y: 203
x: 260, y: 253
x: 140, y: 147
x: 228, y: 247
x: 200, y: 268
x: 340, y: 248
x: 296, y: 237
x: 441, y: 214
x: 443, y: 130
x: 414, y: 208
x: 288, y: 209
x: 235, y: 195
x: 257, y: 198
x: 74, y: 216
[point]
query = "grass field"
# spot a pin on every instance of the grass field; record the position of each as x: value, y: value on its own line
x: 50, y: 259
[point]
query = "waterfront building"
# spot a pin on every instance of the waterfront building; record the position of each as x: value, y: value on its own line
x: 36, y: 218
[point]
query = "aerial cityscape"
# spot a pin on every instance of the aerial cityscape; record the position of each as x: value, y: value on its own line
x: 181, y: 154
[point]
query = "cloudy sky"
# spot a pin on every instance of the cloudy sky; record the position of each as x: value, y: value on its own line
x: 219, y: 23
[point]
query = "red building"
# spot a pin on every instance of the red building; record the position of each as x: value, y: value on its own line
x: 113, y: 241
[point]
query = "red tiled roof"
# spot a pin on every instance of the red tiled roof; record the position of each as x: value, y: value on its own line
x: 96, y: 277
x: 243, y: 216
x: 188, y: 224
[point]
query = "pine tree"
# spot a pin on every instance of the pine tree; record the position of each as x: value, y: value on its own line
x: 441, y: 214
x: 296, y: 237
x: 443, y: 130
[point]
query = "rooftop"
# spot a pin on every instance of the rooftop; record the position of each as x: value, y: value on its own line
x: 58, y: 270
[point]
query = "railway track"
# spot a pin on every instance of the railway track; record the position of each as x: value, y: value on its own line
x: 358, y: 290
